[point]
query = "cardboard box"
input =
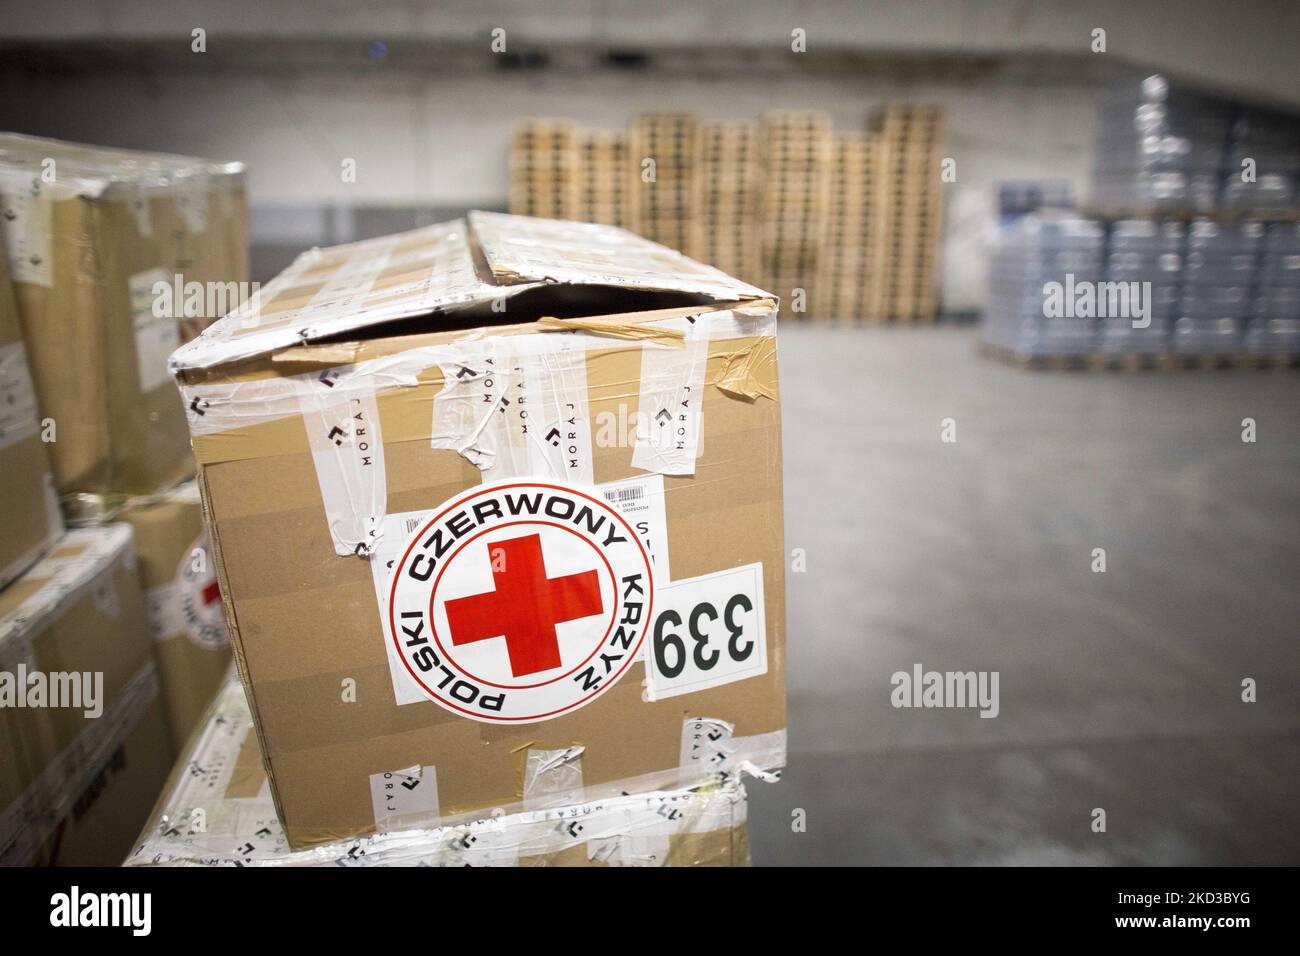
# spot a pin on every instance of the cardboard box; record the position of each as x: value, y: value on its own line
x: 182, y: 602
x: 90, y: 234
x: 216, y: 810
x: 77, y: 681
x: 594, y: 411
x: 103, y: 824
x: 29, y: 508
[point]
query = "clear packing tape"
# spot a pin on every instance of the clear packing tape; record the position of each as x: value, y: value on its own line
x: 92, y: 555
x: 480, y: 379
x: 218, y: 812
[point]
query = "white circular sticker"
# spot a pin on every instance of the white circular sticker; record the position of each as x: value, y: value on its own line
x: 198, y: 598
x: 520, y: 601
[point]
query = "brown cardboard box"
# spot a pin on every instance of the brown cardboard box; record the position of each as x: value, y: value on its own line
x: 75, y: 624
x: 182, y: 602
x: 90, y: 233
x: 103, y: 824
x: 29, y: 508
x: 397, y: 394
x: 216, y: 810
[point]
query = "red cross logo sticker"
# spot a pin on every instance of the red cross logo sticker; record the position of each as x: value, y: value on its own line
x: 211, y: 593
x: 525, y: 607
x: 519, y: 601
x: 199, y: 596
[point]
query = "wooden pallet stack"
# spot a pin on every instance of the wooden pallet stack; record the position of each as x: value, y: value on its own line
x: 728, y: 192
x: 608, y: 181
x: 848, y: 287
x: 913, y: 136
x: 544, y: 168
x: 665, y: 209
x: 796, y: 196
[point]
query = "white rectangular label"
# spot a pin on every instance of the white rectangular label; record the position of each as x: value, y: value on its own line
x: 348, y: 451
x: 641, y: 501
x: 669, y: 431
x: 156, y: 336
x: 28, y: 215
x: 707, y: 631
x: 404, y: 798
x: 395, y: 533
x: 18, y: 417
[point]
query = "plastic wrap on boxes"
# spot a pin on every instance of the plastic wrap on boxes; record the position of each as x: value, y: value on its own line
x: 217, y: 811
x: 1159, y: 147
x: 1275, y: 315
x: 364, y: 408
x: 1218, y: 278
x: 1142, y: 251
x: 1262, y: 163
x: 116, y: 258
x: 1030, y: 260
x: 29, y: 507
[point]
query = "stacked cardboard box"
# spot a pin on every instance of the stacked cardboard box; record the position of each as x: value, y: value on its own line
x: 83, y: 740
x: 728, y: 195
x: 913, y: 135
x: 596, y: 484
x: 182, y: 602
x: 849, y: 284
x: 544, y: 168
x: 117, y: 258
x: 608, y: 181
x: 29, y: 507
x: 217, y: 810
x: 98, y: 242
x: 669, y: 141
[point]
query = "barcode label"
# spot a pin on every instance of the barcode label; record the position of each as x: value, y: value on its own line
x: 622, y: 495
x: 640, y: 501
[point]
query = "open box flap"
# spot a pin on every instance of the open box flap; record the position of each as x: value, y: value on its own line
x: 524, y: 249
x: 446, y: 267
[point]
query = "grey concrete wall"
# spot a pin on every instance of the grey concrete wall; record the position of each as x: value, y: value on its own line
x: 444, y: 143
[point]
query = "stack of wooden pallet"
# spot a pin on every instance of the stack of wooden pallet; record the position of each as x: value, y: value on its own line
x: 666, y: 184
x: 728, y: 190
x: 848, y: 285
x: 796, y: 195
x: 608, y: 181
x: 913, y: 133
x: 544, y: 171
x: 843, y: 227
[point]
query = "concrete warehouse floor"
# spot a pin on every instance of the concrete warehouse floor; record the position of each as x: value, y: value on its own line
x: 1119, y: 690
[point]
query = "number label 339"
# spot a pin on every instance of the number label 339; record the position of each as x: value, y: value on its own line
x: 707, y: 631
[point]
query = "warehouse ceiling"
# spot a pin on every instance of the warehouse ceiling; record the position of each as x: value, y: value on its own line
x: 1237, y: 48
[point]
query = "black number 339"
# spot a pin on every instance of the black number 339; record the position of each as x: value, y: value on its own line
x: 668, y: 643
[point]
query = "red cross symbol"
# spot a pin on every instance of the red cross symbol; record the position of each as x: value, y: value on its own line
x: 525, y: 607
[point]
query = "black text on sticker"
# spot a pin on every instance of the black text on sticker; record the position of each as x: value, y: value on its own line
x: 707, y: 631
